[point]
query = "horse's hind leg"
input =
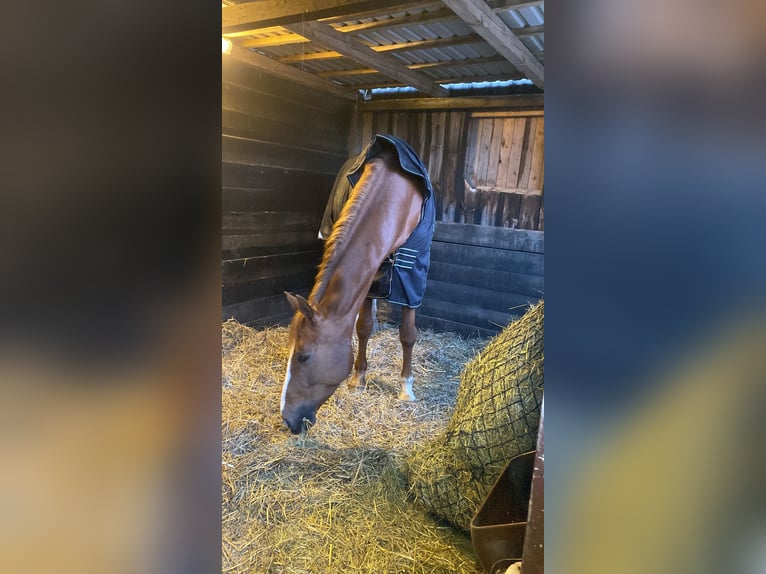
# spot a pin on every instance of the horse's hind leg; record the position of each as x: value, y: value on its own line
x: 408, y: 334
x: 363, y: 330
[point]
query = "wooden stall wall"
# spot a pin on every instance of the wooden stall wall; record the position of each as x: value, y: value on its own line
x: 481, y: 278
x: 487, y: 167
x: 487, y: 170
x: 282, y: 147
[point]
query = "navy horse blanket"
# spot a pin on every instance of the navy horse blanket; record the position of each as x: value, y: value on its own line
x: 401, y: 278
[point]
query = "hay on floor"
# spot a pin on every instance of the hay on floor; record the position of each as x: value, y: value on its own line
x: 335, y: 499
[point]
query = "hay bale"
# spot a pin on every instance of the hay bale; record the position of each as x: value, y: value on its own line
x: 496, y: 417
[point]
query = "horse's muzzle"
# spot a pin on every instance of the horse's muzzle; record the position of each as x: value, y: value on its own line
x: 300, y: 421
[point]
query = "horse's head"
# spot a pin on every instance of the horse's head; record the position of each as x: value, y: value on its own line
x: 320, y: 359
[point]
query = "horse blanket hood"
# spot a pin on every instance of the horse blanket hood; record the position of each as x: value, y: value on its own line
x: 402, y: 277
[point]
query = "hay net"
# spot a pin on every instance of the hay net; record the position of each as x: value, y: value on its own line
x: 496, y: 416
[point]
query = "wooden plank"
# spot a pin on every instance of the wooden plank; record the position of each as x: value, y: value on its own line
x: 516, y: 190
x: 436, y: 150
x: 526, y: 153
x: 541, y: 215
x: 249, y: 268
x: 518, y: 283
x: 252, y: 152
x: 271, y: 130
x: 488, y: 299
x: 424, y: 321
x: 248, y: 311
x: 494, y: 150
x: 234, y: 244
x: 489, y: 258
x: 508, y: 114
x: 504, y: 160
x: 525, y: 101
x: 471, y: 171
x: 460, y: 144
x: 354, y: 142
x: 448, y: 78
x: 288, y: 72
x: 466, y: 313
x: 530, y: 208
x: 388, y: 313
x: 293, y: 184
x: 512, y: 209
x: 295, y: 117
x: 498, y: 5
x: 386, y: 64
x: 538, y: 153
x: 254, y: 200
x: 487, y: 205
x: 451, y: 170
x: 403, y: 46
x: 428, y: 17
x: 489, y: 26
x: 520, y: 128
x: 381, y: 123
x: 265, y: 286
x: 423, y: 143
x: 367, y: 131
x: 265, y: 13
x: 260, y: 251
x: 482, y: 149
x: 260, y: 82
x: 269, y: 221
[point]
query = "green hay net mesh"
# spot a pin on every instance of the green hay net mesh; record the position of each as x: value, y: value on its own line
x: 496, y: 417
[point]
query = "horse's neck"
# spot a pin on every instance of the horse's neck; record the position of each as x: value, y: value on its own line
x: 378, y: 229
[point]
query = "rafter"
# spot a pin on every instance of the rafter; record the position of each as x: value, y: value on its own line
x: 289, y: 72
x: 255, y: 15
x: 386, y: 64
x: 533, y: 101
x: 418, y: 44
x: 446, y: 80
x: 489, y: 26
x: 423, y: 66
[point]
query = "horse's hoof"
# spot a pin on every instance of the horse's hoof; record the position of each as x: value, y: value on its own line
x: 358, y: 383
x: 406, y: 393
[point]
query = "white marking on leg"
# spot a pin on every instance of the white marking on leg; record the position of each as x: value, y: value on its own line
x: 287, y: 382
x: 406, y: 393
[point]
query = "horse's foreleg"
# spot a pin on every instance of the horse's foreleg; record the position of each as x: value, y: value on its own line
x: 363, y: 330
x: 408, y: 334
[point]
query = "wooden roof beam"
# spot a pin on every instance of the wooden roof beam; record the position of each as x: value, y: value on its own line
x: 415, y: 45
x: 489, y: 26
x: 530, y: 101
x: 289, y: 72
x: 449, y: 80
x: 423, y: 66
x: 501, y: 5
x: 350, y: 47
x: 255, y: 15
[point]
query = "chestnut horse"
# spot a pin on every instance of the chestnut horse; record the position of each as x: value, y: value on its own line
x: 384, y: 207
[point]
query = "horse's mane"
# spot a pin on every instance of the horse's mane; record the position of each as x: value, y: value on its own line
x: 336, y: 243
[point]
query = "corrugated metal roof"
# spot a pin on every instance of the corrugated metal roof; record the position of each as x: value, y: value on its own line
x: 438, y: 37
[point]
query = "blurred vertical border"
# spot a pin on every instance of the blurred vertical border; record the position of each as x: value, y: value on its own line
x: 655, y: 286
x: 110, y: 331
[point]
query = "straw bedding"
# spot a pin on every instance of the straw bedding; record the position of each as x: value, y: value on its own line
x: 337, y: 498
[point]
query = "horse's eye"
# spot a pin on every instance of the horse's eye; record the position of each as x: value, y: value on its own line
x: 303, y: 357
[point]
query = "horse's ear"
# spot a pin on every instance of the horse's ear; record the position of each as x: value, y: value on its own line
x: 300, y: 305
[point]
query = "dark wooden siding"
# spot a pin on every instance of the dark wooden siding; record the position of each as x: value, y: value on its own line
x: 282, y: 146
x: 487, y: 167
x: 481, y: 278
